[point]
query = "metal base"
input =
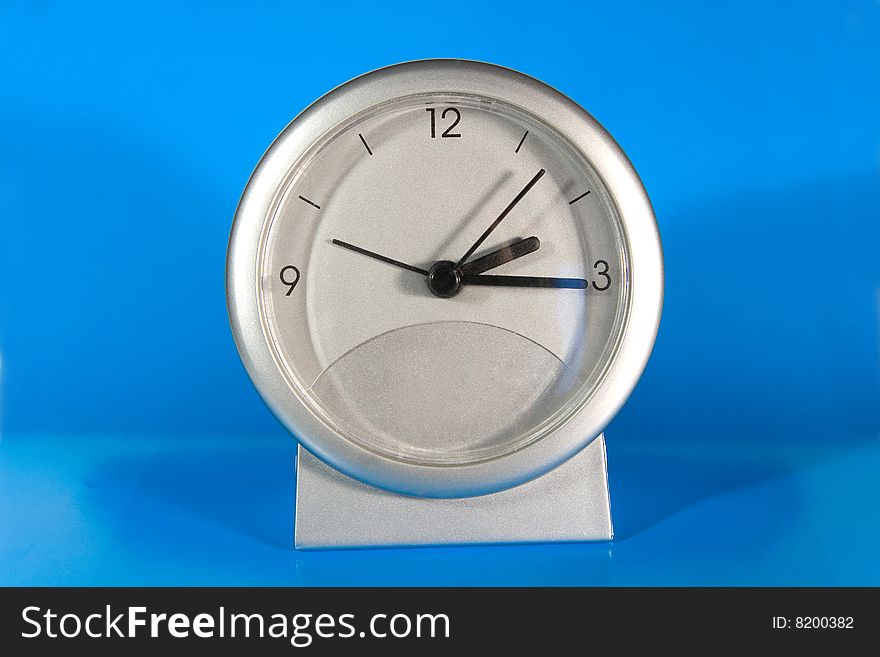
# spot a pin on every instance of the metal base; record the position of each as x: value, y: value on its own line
x: 570, y: 503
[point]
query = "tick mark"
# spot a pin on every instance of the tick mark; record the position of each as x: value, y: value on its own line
x: 366, y: 145
x: 521, y: 142
x: 574, y: 200
x: 312, y: 203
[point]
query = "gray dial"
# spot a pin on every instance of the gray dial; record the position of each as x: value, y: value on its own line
x: 400, y: 366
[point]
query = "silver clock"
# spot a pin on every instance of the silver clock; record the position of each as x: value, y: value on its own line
x: 445, y: 278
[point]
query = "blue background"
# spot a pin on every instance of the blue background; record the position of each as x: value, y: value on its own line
x: 134, y: 449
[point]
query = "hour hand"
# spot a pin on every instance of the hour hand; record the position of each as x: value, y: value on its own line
x: 500, y: 256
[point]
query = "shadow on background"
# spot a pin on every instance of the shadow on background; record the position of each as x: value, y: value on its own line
x: 651, y: 483
x: 245, y: 489
x: 219, y: 499
x: 222, y: 511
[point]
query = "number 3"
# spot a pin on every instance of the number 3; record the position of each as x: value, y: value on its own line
x: 604, y: 273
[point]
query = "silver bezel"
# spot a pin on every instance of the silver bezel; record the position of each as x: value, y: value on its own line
x: 570, y: 121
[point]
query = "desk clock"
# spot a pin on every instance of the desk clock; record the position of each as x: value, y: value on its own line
x: 445, y: 278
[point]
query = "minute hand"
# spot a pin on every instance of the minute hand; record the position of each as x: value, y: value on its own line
x: 526, y: 281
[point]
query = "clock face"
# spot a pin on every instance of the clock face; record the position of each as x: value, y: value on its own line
x: 466, y: 372
x: 443, y: 280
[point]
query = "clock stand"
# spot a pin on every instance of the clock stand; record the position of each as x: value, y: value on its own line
x: 568, y: 504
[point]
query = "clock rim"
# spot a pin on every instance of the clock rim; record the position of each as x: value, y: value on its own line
x: 638, y: 226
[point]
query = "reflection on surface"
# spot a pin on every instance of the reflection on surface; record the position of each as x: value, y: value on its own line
x: 158, y: 510
x: 509, y: 565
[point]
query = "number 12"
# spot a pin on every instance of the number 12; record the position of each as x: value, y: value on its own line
x: 448, y: 132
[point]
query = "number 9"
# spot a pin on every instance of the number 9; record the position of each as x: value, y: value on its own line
x: 285, y: 279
